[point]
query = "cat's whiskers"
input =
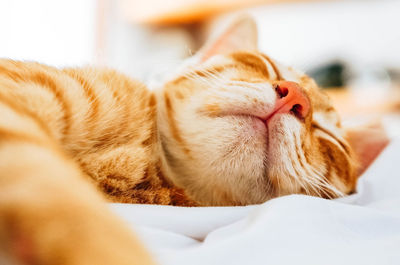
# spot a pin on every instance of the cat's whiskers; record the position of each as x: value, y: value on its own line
x: 215, y: 79
x: 295, y: 173
x: 279, y: 187
x: 194, y: 77
x: 305, y: 167
x: 319, y: 181
x: 316, y: 181
x: 313, y: 178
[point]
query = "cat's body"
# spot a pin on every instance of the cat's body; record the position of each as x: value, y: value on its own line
x: 101, y: 119
x: 231, y: 129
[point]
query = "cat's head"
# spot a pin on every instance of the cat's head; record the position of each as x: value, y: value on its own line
x: 236, y: 127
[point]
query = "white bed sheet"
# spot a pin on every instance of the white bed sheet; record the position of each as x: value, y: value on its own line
x: 360, y: 229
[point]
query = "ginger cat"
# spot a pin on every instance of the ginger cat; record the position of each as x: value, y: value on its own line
x: 234, y: 127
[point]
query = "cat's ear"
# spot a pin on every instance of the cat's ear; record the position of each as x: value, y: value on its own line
x: 367, y: 142
x: 239, y: 34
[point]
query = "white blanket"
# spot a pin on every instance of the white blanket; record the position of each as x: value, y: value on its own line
x: 360, y: 229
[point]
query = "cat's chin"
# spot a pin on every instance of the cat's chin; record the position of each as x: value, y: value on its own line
x: 273, y: 124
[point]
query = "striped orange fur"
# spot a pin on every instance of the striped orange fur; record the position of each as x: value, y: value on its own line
x: 71, y: 137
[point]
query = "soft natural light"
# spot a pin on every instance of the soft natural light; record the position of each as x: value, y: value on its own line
x: 53, y: 32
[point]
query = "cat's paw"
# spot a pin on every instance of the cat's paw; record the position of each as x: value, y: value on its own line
x: 67, y: 234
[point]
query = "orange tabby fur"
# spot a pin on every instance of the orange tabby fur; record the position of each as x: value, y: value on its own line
x: 49, y: 119
x: 64, y: 132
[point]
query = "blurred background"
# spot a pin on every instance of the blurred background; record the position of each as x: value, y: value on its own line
x: 352, y: 48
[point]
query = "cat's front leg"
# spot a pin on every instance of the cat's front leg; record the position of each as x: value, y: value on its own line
x: 50, y: 215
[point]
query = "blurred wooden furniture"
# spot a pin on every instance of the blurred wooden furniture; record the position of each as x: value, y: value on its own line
x: 183, y: 11
x: 358, y: 107
x: 358, y: 102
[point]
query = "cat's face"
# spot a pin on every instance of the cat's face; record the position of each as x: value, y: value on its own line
x: 238, y: 128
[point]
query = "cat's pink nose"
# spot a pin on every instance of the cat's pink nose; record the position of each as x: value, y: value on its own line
x: 291, y: 99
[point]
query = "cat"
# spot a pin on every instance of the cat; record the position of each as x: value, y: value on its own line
x: 232, y: 127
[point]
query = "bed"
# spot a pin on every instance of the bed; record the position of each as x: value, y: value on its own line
x: 363, y: 228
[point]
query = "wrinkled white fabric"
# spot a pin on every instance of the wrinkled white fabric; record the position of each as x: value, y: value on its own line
x: 360, y: 229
